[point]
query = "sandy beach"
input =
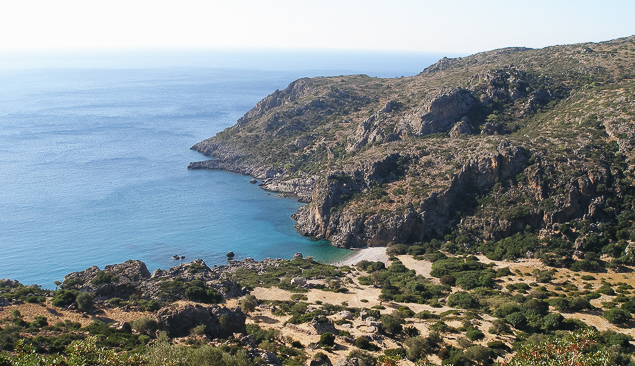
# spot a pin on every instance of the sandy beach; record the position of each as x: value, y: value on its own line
x: 373, y: 254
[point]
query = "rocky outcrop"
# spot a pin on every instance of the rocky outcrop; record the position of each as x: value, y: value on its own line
x: 299, y: 188
x: 462, y: 127
x: 404, y: 160
x: 373, y: 130
x: 438, y: 113
x: 132, y: 277
x: 290, y: 94
x: 414, y: 223
x: 118, y: 280
x: 219, y: 322
x: 321, y: 360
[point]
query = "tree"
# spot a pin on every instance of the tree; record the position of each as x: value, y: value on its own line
x: 481, y: 355
x: 63, y: 298
x: 462, y: 300
x: 616, y: 316
x: 390, y: 324
x: 327, y: 339
x: 85, y: 301
x: 418, y: 347
x: 517, y: 320
x: 145, y: 325
x: 248, y: 304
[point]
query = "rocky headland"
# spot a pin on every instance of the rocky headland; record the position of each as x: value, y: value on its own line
x: 479, y: 148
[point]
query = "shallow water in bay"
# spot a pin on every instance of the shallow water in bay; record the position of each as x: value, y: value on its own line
x: 93, y: 171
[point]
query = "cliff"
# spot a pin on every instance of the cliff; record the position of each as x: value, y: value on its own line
x: 472, y: 149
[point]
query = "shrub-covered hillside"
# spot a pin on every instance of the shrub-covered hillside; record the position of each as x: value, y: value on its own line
x: 513, y: 152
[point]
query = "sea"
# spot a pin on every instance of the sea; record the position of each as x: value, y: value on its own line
x: 94, y: 154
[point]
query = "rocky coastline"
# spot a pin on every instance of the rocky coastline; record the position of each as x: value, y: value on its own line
x: 480, y: 148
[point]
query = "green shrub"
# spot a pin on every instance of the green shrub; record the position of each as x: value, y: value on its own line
x: 535, y: 307
x: 517, y: 320
x: 145, y: 325
x: 616, y: 316
x: 448, y: 280
x: 364, y: 343
x: 85, y: 301
x: 474, y: 335
x: 150, y: 305
x: 327, y: 339
x: 390, y: 324
x: 463, y: 300
x: 103, y: 277
x: 63, y: 298
x: 248, y: 304
x: 556, y: 350
x: 202, y: 294
x: 365, y: 358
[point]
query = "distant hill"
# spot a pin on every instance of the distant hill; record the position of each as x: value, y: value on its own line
x: 536, y: 143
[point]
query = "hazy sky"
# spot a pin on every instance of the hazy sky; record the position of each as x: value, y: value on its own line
x: 463, y: 26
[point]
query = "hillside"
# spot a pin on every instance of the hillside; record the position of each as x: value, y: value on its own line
x: 534, y: 144
x: 402, y: 312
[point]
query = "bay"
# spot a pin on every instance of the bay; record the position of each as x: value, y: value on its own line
x: 93, y: 168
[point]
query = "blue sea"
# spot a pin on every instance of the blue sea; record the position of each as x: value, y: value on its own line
x: 93, y: 162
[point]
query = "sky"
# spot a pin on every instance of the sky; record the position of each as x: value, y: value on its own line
x: 439, y: 26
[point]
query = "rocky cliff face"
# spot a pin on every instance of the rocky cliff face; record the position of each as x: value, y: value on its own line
x: 415, y: 222
x: 480, y: 147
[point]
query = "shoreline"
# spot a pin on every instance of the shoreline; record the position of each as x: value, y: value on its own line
x: 373, y: 254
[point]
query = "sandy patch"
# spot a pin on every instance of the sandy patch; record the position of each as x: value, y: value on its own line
x: 271, y: 294
x: 422, y: 267
x: 373, y: 254
x: 354, y: 297
x: 54, y: 314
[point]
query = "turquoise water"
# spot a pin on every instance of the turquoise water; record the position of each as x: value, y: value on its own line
x: 93, y: 171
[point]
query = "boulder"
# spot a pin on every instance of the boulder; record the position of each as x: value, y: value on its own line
x: 349, y: 362
x: 321, y: 360
x: 323, y: 325
x: 491, y: 129
x: 8, y: 283
x: 462, y: 127
x: 219, y: 322
x: 298, y: 281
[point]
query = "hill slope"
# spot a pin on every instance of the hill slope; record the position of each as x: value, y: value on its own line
x: 532, y: 142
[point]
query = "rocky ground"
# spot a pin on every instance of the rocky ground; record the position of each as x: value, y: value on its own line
x: 180, y: 317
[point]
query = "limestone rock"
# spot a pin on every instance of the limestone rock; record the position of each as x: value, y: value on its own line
x: 491, y: 129
x: 462, y: 127
x: 324, y: 360
x: 219, y: 322
x: 323, y: 325
x: 298, y: 281
x: 437, y: 113
x: 120, y: 280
